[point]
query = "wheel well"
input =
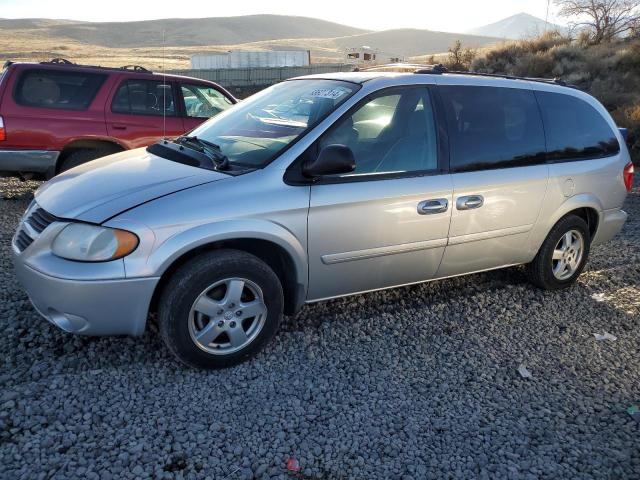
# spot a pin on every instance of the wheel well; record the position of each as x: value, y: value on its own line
x: 109, y: 146
x: 590, y: 216
x: 272, y: 254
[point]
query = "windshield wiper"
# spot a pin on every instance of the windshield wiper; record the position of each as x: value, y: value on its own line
x: 213, y: 151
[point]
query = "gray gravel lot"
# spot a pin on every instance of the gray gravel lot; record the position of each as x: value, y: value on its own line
x: 418, y: 382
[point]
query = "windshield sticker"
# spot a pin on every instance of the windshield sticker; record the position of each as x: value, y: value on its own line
x: 332, y: 93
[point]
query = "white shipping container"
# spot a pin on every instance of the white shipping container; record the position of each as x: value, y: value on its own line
x: 241, y: 59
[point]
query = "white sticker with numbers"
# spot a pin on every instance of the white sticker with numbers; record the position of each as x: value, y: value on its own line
x: 332, y: 93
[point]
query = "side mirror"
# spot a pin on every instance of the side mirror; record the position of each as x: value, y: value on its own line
x: 332, y: 160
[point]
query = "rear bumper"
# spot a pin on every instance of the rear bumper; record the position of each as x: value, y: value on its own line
x: 611, y: 223
x: 101, y: 307
x: 36, y: 161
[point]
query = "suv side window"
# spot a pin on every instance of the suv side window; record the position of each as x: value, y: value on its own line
x: 57, y: 89
x: 392, y: 132
x: 492, y: 127
x: 144, y: 97
x: 201, y: 101
x: 575, y: 130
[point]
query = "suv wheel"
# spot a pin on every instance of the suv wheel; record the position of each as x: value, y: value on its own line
x: 220, y: 309
x: 563, y: 255
x: 84, y: 155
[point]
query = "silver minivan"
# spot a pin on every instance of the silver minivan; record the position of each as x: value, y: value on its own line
x: 320, y: 187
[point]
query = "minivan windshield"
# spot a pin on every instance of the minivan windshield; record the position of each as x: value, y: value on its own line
x: 255, y: 131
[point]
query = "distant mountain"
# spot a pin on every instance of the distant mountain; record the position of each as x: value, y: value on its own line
x: 184, y: 31
x: 517, y: 26
x: 410, y: 42
x: 33, y: 38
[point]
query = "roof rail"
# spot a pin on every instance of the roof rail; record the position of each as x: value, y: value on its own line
x: 556, y: 80
x: 58, y: 61
x: 437, y: 69
x: 396, y: 67
x: 64, y: 61
x: 135, y: 68
x: 440, y: 69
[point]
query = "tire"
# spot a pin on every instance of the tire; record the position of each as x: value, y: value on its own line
x: 84, y: 155
x: 188, y: 298
x: 541, y: 270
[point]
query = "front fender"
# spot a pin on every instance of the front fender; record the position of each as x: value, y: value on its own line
x: 154, y: 258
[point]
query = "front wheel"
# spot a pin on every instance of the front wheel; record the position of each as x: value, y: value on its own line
x: 220, y: 309
x: 562, y: 256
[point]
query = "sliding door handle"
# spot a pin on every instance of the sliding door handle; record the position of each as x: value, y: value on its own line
x: 469, y: 202
x: 428, y: 207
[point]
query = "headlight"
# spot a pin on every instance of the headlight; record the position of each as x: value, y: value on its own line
x: 90, y: 243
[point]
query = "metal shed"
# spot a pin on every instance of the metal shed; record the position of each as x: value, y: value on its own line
x: 243, y: 59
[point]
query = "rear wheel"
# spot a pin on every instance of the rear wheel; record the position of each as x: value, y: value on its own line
x: 220, y: 309
x: 562, y: 256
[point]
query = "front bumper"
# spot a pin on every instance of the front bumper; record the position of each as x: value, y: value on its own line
x: 36, y: 161
x: 89, y: 307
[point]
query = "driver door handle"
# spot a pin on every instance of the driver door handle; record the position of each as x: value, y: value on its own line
x: 429, y: 207
x: 469, y: 202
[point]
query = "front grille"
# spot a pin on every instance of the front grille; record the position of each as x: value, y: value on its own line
x: 32, y: 226
x: 40, y: 219
x: 23, y: 240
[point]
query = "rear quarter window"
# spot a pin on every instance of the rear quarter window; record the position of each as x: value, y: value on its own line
x: 492, y: 127
x: 574, y: 129
x: 57, y: 89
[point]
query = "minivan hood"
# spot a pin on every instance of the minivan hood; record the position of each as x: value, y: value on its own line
x: 98, y: 190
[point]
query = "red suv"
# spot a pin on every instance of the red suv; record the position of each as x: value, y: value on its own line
x: 56, y: 115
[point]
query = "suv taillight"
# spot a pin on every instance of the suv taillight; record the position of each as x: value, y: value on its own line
x: 627, y: 175
x: 3, y: 133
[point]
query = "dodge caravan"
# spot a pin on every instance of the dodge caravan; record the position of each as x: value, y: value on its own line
x: 321, y: 187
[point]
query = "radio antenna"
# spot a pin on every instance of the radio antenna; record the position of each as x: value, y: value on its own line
x: 164, y: 91
x: 546, y: 17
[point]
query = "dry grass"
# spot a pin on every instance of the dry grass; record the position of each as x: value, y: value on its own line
x: 104, y: 44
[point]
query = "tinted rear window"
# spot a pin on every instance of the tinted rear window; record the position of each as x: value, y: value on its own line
x: 57, y: 89
x: 574, y: 129
x: 492, y: 127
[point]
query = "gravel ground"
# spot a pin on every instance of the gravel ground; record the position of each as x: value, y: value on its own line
x: 418, y: 382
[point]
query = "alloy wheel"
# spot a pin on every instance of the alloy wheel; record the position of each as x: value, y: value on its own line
x: 567, y: 255
x: 227, y: 316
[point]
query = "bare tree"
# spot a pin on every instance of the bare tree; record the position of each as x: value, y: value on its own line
x: 460, y: 58
x: 605, y: 19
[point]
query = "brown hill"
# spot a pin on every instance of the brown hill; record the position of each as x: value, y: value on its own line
x: 120, y: 43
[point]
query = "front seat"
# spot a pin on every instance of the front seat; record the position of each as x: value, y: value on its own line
x: 414, y: 151
x: 344, y: 134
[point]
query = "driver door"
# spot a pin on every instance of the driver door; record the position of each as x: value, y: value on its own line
x: 386, y: 223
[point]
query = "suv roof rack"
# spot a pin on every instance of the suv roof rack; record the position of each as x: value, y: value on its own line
x: 399, y: 67
x: 64, y: 61
x: 59, y: 61
x: 439, y: 69
x: 135, y: 68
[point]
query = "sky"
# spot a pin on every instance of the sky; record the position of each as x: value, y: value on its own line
x: 451, y: 16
